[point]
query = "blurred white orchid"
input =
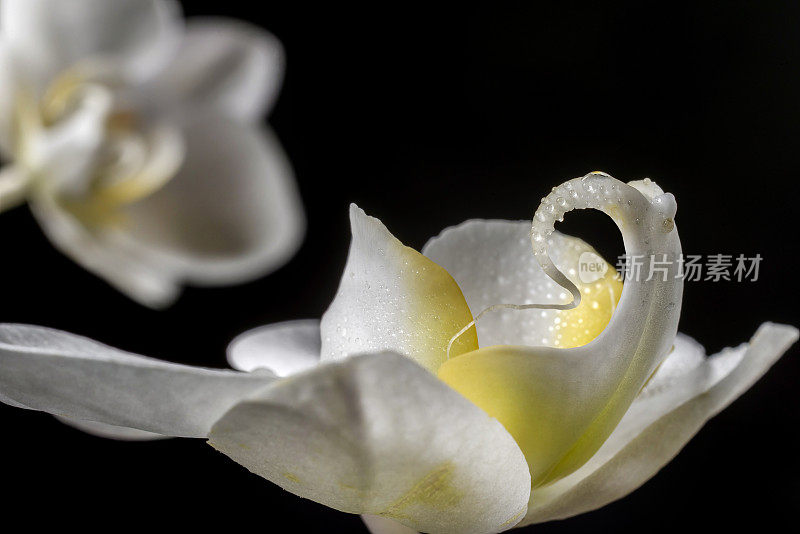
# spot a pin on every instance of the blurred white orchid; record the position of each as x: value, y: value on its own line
x: 135, y: 140
x: 389, y: 408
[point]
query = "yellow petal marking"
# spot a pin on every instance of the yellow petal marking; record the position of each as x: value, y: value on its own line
x: 437, y: 311
x: 434, y: 490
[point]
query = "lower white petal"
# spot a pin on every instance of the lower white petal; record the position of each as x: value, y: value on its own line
x: 74, y: 377
x: 231, y: 214
x: 377, y: 434
x: 13, y: 187
x: 659, y: 423
x: 103, y: 430
x: 127, y: 269
x: 283, y: 348
x: 8, y: 93
x: 380, y: 525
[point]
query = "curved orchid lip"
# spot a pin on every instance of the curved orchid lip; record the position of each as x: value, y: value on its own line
x: 585, y: 390
x: 368, y: 413
x: 141, y: 157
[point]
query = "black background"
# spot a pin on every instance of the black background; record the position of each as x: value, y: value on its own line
x: 429, y: 116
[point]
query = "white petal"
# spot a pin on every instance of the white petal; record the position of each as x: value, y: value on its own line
x: 8, y: 95
x: 686, y: 356
x: 231, y: 214
x: 12, y: 402
x: 226, y: 65
x: 13, y: 186
x: 283, y: 348
x: 134, y: 37
x: 127, y: 269
x: 102, y: 430
x: 492, y: 262
x: 75, y: 377
x: 380, y: 525
x: 377, y: 434
x: 670, y: 410
x: 392, y: 298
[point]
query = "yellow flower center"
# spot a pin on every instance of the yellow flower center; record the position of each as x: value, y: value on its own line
x: 127, y: 160
x: 578, y: 326
x: 501, y: 380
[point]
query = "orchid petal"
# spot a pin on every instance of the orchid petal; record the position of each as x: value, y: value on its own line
x: 86, y: 227
x: 381, y: 525
x: 78, y: 378
x: 665, y: 416
x: 134, y: 37
x: 232, y: 213
x: 229, y: 66
x: 8, y: 92
x: 392, y: 298
x: 377, y: 434
x: 283, y: 348
x: 67, y: 151
x: 103, y: 430
x: 492, y: 262
x: 125, y: 268
x: 561, y: 404
x: 14, y: 184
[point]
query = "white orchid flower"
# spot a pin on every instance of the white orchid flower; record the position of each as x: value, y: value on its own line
x: 135, y: 140
x: 390, y: 408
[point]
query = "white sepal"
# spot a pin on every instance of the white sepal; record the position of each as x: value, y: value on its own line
x: 377, y: 434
